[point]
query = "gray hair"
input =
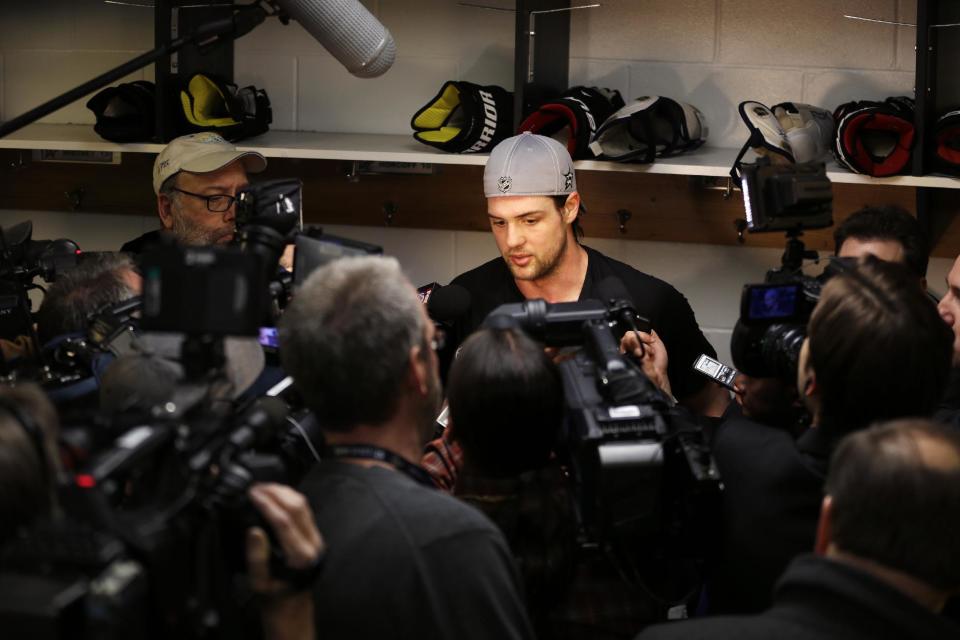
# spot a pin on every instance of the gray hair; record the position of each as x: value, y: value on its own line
x: 169, y: 187
x: 346, y: 340
x: 96, y: 282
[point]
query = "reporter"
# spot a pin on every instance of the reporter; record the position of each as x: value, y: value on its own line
x: 648, y: 349
x: 361, y: 350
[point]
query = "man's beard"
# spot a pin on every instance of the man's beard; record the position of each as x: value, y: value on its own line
x: 194, y: 235
x: 541, y: 267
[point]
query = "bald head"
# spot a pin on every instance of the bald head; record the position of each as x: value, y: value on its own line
x: 895, y: 493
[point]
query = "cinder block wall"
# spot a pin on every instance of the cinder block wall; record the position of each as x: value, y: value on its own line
x: 711, y: 53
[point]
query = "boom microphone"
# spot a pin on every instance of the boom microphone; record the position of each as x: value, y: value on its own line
x: 348, y: 31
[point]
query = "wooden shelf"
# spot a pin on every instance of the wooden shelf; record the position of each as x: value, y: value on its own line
x: 708, y: 161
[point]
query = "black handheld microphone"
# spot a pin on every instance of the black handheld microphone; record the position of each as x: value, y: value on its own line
x: 447, y: 304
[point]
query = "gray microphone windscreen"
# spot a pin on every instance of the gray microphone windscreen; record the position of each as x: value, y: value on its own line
x: 348, y: 31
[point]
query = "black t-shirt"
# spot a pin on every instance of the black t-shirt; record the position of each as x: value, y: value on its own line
x: 491, y: 285
x: 407, y: 561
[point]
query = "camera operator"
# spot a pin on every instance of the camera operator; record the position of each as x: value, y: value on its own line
x: 196, y: 178
x: 875, y: 350
x: 29, y: 469
x: 886, y: 557
x: 890, y: 234
x: 533, y: 207
x: 98, y: 281
x: 405, y: 560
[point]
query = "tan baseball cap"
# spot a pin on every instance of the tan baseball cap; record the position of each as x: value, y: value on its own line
x: 201, y: 153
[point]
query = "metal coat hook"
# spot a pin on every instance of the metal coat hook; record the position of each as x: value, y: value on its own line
x: 19, y: 163
x: 740, y: 225
x: 75, y: 197
x: 390, y: 210
x: 728, y: 192
x: 622, y: 217
x: 353, y: 173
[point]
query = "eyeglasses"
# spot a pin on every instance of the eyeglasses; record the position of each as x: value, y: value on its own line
x: 217, y: 203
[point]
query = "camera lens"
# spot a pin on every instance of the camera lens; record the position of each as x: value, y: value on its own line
x: 780, y: 349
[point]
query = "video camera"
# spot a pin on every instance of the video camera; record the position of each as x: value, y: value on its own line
x: 22, y: 260
x: 269, y: 217
x: 162, y: 500
x: 154, y: 516
x: 773, y: 319
x: 644, y: 480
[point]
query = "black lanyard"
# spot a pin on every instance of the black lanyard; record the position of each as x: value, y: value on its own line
x: 370, y: 452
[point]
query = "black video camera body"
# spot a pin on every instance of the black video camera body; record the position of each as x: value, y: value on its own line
x: 636, y: 462
x: 773, y: 321
x: 23, y: 259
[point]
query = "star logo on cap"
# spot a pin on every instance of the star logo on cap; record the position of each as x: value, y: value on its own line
x: 504, y: 183
x: 568, y: 180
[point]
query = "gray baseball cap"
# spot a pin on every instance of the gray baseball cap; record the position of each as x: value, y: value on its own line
x: 529, y: 165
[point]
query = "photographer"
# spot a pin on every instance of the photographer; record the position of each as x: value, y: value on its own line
x: 886, y: 549
x: 360, y: 349
x: 875, y: 350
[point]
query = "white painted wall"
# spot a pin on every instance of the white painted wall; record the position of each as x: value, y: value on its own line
x: 712, y: 53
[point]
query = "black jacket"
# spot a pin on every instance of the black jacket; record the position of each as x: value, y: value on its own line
x: 773, y: 487
x: 821, y: 599
x: 143, y: 243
